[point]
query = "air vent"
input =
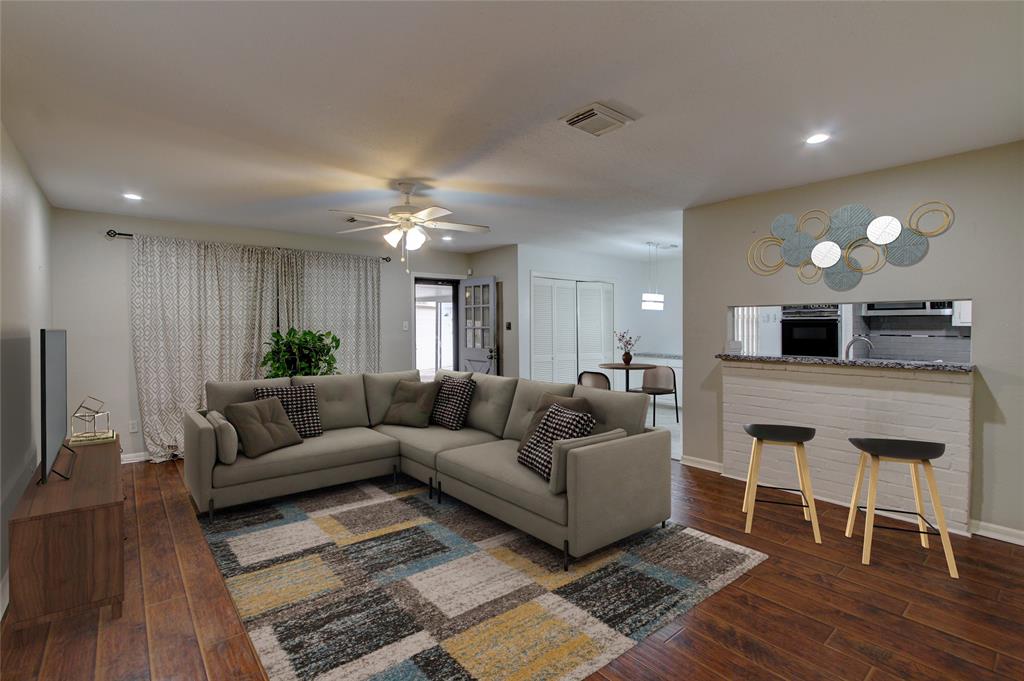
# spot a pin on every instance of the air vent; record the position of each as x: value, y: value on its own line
x: 596, y: 119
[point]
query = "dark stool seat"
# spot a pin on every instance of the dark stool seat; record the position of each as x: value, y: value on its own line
x: 777, y: 433
x: 912, y: 450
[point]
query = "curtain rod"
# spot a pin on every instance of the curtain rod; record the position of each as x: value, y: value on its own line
x: 114, y: 234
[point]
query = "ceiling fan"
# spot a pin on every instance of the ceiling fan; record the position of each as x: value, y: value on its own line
x: 409, y: 223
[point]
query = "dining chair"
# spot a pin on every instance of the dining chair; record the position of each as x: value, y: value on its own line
x: 594, y: 379
x: 661, y: 380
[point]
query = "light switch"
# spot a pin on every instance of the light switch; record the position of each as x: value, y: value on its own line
x: 405, y: 326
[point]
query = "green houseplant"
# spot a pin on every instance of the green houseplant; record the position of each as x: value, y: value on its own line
x: 301, y: 353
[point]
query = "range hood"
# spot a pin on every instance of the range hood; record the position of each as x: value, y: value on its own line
x: 912, y: 308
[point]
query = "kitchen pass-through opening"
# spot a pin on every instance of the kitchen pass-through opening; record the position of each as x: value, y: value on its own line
x: 436, y: 324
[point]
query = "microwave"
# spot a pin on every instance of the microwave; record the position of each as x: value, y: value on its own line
x: 913, y: 308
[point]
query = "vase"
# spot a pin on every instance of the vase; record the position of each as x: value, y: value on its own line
x: 627, y: 358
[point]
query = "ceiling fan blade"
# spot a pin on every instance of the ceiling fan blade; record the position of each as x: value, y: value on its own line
x: 431, y: 213
x: 458, y: 227
x: 366, y: 227
x: 361, y: 216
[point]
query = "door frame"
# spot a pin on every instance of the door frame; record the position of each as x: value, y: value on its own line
x: 535, y: 274
x: 413, y: 276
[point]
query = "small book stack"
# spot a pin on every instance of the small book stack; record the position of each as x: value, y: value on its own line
x: 86, y: 439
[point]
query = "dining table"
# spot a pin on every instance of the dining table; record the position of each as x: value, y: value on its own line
x: 632, y: 366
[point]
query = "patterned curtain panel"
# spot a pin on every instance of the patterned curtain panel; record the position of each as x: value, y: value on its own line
x: 199, y: 311
x: 335, y: 292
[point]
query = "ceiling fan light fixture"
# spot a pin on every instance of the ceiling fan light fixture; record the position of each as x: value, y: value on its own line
x: 415, y: 238
x: 394, y: 237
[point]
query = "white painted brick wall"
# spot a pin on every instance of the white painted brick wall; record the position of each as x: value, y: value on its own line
x: 844, y: 402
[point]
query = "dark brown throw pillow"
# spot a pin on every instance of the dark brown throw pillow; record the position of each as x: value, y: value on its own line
x: 412, y: 404
x: 262, y: 426
x: 544, y: 402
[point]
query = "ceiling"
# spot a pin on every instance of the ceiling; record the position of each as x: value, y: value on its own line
x: 267, y: 114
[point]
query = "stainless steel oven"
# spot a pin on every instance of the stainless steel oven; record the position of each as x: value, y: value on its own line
x: 810, y: 330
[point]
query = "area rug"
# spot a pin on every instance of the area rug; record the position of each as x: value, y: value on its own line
x: 373, y: 580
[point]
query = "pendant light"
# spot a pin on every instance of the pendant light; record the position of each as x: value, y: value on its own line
x: 652, y: 299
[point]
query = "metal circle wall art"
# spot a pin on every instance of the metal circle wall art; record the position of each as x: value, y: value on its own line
x: 821, y: 246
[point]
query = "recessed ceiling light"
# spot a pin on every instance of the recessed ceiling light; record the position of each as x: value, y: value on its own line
x: 446, y: 237
x: 132, y: 197
x: 818, y: 138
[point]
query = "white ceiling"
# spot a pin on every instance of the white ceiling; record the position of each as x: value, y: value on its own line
x: 267, y: 114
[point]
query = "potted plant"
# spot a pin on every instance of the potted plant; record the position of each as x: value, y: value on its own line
x: 301, y: 353
x: 626, y: 343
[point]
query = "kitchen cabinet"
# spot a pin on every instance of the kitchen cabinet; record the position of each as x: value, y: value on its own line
x: 962, y: 312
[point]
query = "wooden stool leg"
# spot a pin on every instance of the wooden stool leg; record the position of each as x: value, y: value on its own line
x: 800, y: 478
x: 808, y: 490
x: 755, y: 469
x: 940, y: 518
x: 869, y: 521
x: 750, y: 469
x: 856, y: 495
x: 918, y: 503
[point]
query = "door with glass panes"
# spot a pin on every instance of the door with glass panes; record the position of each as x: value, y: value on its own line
x: 477, y: 319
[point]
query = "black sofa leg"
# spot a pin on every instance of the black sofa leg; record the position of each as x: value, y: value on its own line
x: 394, y: 472
x: 430, y: 488
x: 663, y: 524
x: 209, y: 512
x: 440, y: 494
x: 565, y: 555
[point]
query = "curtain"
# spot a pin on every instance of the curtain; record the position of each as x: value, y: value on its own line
x: 201, y: 311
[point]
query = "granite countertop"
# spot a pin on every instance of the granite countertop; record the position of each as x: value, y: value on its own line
x: 871, y: 363
x: 657, y: 355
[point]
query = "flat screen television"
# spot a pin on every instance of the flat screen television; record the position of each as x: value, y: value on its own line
x: 53, y: 388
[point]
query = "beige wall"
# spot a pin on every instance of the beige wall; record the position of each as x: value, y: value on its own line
x: 24, y: 308
x: 91, y: 288
x: 501, y: 264
x: 981, y: 258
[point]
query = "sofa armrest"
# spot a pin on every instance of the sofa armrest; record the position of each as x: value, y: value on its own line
x: 618, y: 488
x: 200, y: 457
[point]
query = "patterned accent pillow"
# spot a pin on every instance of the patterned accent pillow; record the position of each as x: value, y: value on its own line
x: 452, y: 404
x: 300, y: 404
x: 558, y: 423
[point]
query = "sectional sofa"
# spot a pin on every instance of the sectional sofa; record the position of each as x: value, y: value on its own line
x: 604, y: 487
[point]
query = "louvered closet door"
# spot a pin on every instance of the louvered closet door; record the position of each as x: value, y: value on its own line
x: 594, y: 308
x: 553, y: 330
x: 565, y: 332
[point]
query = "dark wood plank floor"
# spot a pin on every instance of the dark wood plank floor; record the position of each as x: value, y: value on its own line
x: 808, y: 612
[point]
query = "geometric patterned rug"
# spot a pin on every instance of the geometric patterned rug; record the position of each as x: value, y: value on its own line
x: 372, y: 580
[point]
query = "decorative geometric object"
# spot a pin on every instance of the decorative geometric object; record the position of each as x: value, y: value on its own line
x: 821, y: 245
x: 374, y: 580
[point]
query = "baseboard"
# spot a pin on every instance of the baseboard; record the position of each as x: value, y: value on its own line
x: 1000, y: 532
x: 134, y: 457
x: 5, y: 593
x: 706, y: 464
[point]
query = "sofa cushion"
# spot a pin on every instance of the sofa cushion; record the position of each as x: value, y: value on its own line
x: 492, y: 468
x: 227, y: 437
x: 577, y: 404
x: 492, y: 401
x: 452, y: 404
x: 441, y: 373
x: 220, y: 394
x: 558, y: 423
x: 560, y: 454
x: 262, y: 426
x: 380, y: 388
x: 342, y: 399
x: 524, y: 404
x: 334, y: 448
x: 300, y: 403
x: 612, y: 409
x: 412, y: 404
x: 422, y: 444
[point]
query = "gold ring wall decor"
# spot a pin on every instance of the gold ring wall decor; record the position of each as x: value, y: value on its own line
x: 864, y: 242
x: 755, y: 256
x: 815, y: 214
x: 811, y: 278
x: 926, y: 208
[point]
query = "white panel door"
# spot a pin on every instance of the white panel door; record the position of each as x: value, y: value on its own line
x: 542, y: 330
x: 594, y: 308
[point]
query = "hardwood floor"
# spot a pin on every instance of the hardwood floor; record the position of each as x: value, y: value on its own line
x: 809, y: 612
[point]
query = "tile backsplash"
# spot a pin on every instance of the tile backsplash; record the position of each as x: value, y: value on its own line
x: 914, y: 338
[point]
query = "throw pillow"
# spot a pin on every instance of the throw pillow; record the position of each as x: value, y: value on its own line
x: 262, y: 425
x: 544, y: 403
x: 452, y: 404
x: 300, y: 403
x: 412, y: 404
x: 227, y: 437
x: 558, y: 423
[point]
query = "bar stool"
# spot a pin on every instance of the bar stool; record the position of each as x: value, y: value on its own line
x: 789, y: 436
x: 911, y: 452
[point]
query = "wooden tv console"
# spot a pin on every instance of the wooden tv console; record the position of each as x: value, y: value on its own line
x: 67, y: 540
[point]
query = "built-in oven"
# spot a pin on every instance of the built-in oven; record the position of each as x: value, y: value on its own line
x: 810, y: 330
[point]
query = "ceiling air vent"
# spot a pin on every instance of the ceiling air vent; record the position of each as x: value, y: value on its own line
x: 596, y: 119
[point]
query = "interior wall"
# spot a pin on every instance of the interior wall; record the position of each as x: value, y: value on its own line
x: 978, y: 258
x: 501, y: 263
x: 91, y: 276
x: 24, y: 308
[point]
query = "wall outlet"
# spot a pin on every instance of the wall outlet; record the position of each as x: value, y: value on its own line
x: 405, y: 326
x: 133, y: 426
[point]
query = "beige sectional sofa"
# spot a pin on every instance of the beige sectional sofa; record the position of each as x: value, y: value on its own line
x: 610, y: 485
